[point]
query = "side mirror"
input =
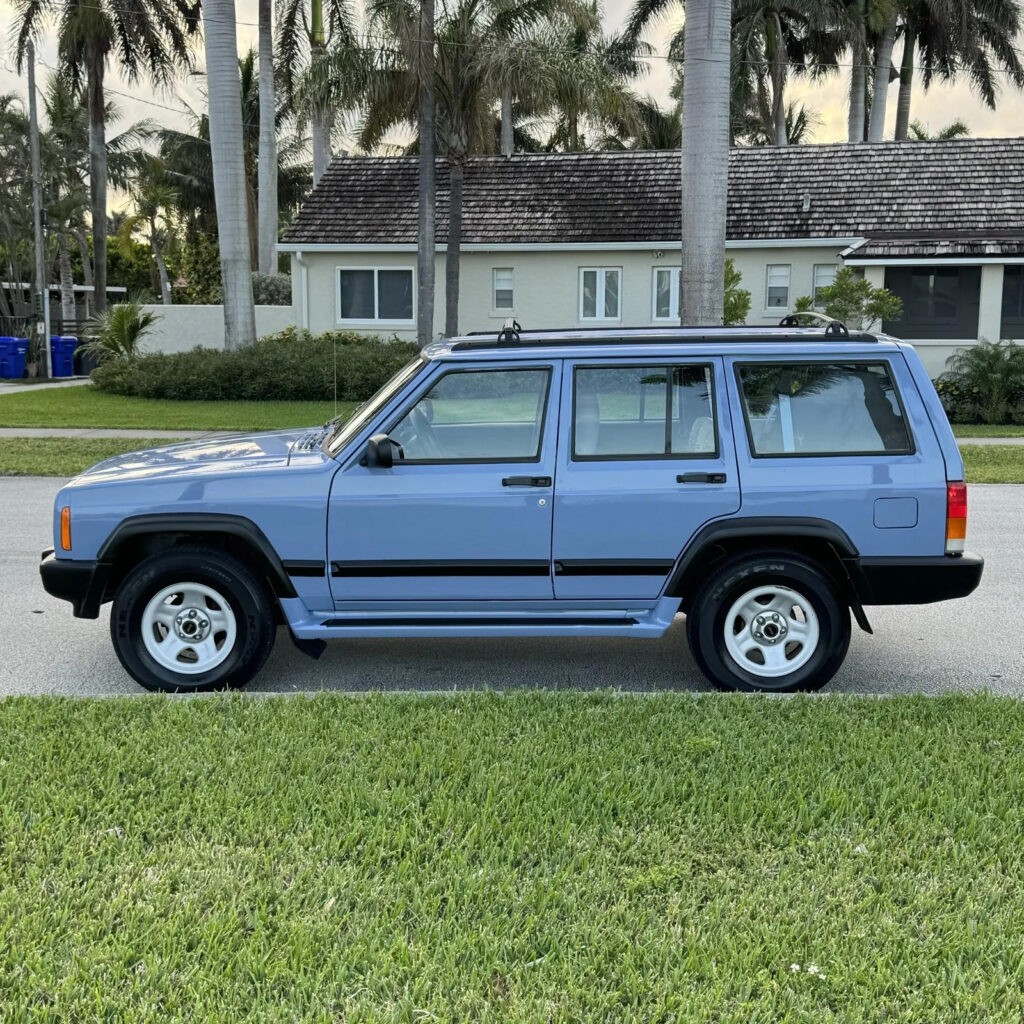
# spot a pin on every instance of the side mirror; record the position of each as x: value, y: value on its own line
x: 381, y: 451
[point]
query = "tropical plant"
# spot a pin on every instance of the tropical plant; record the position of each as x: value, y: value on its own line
x: 153, y: 200
x: 954, y: 130
x: 984, y: 382
x: 266, y: 176
x: 117, y: 334
x: 737, y: 300
x: 147, y: 38
x: 426, y: 263
x: 854, y: 300
x: 228, y: 156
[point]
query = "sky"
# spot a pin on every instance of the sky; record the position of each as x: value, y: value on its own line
x: 826, y: 101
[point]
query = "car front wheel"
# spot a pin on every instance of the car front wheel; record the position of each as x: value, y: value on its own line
x: 192, y: 619
x: 768, y: 622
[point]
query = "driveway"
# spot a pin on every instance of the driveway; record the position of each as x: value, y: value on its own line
x: 962, y: 645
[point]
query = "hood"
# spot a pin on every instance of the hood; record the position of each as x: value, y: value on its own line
x: 232, y: 453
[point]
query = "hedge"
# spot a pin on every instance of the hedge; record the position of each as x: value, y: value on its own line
x: 293, y: 365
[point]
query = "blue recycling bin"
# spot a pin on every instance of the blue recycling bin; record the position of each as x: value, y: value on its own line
x: 12, y: 357
x: 62, y: 352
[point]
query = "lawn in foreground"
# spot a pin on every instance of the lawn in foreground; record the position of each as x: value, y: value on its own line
x: 86, y: 407
x: 988, y: 430
x: 535, y: 857
x: 993, y: 464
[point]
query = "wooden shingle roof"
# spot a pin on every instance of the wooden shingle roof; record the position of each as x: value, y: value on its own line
x: 960, y: 189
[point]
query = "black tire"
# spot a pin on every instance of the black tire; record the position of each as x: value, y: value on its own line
x: 244, y: 592
x: 706, y: 621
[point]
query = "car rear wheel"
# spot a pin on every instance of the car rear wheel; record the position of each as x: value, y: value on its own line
x: 192, y: 619
x: 771, y: 622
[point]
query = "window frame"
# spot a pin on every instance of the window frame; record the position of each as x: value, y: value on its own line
x: 547, y: 368
x: 673, y: 291
x: 789, y: 288
x: 495, y: 309
x: 809, y: 361
x: 411, y: 322
x: 603, y: 272
x: 652, y: 456
x: 814, y: 287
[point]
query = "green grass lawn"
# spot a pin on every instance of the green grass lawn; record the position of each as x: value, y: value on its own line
x: 87, y: 407
x: 528, y: 858
x: 988, y: 430
x: 993, y: 464
x: 60, y: 456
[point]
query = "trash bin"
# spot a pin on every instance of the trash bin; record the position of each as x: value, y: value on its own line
x: 62, y: 353
x: 12, y: 357
x: 85, y: 362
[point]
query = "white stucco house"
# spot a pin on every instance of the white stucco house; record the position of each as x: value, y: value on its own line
x: 592, y: 239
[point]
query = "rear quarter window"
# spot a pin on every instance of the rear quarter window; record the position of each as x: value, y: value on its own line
x: 822, y: 409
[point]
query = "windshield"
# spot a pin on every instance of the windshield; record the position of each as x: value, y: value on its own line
x: 343, y: 432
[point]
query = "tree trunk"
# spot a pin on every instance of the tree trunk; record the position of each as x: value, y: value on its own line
x: 161, y: 267
x: 906, y: 85
x: 83, y: 253
x: 68, y: 314
x: 705, y: 172
x: 779, y: 86
x: 880, y: 93
x: 574, y: 131
x: 267, y: 174
x: 426, y: 254
x: 229, y: 188
x: 858, y: 78
x: 98, y: 177
x: 507, y: 141
x: 453, y: 249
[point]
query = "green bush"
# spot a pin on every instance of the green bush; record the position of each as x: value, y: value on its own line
x: 291, y: 366
x: 984, y: 384
x: 272, y: 289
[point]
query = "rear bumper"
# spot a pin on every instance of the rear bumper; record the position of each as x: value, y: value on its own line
x: 81, y: 583
x: 917, y: 580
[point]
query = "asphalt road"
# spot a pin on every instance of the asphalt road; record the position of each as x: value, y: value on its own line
x: 972, y: 644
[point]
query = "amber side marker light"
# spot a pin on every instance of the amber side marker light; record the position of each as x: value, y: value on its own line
x: 956, y: 517
x: 65, y: 528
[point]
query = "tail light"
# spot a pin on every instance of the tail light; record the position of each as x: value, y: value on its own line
x: 956, y: 517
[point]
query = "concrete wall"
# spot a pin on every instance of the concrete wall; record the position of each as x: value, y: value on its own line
x: 181, y: 328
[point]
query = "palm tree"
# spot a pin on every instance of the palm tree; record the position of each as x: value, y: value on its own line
x: 154, y: 200
x: 427, y: 184
x: 267, y: 175
x: 954, y: 130
x: 705, y: 174
x: 147, y: 38
x: 228, y: 156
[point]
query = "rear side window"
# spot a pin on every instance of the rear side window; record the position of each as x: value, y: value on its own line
x: 636, y: 412
x: 822, y: 409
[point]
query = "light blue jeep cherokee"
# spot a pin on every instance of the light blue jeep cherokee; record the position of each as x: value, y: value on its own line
x: 765, y: 482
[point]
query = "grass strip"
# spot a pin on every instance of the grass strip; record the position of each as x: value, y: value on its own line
x: 993, y: 464
x: 535, y: 857
x: 86, y: 407
x: 64, y: 456
x: 988, y: 430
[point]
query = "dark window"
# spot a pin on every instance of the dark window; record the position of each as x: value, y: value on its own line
x: 477, y: 416
x: 643, y: 412
x: 1013, y: 303
x: 822, y: 409
x: 938, y: 302
x: 375, y: 294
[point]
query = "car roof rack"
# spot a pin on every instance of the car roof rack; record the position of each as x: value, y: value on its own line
x: 513, y: 335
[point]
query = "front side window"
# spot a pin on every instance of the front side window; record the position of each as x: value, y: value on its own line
x: 504, y: 290
x: 477, y: 416
x: 375, y: 293
x: 600, y: 293
x: 777, y: 291
x: 666, y: 293
x: 824, y: 277
x: 643, y: 412
x: 822, y: 409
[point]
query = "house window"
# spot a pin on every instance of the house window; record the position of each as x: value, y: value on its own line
x: 600, y: 293
x: 503, y: 290
x: 824, y: 277
x: 777, y: 292
x: 938, y: 302
x: 1013, y: 303
x: 666, y: 293
x: 375, y: 293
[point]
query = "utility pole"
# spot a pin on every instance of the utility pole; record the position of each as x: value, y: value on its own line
x: 37, y: 207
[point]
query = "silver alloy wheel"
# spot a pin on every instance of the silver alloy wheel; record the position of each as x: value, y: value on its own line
x: 771, y: 631
x: 188, y: 628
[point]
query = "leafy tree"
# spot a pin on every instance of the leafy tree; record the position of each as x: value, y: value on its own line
x: 153, y: 200
x: 855, y: 301
x: 737, y: 299
x: 200, y: 268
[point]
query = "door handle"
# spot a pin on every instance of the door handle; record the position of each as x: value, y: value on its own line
x: 701, y: 478
x: 526, y: 481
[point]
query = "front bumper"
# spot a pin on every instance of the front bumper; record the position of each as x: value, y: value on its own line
x: 917, y: 580
x: 81, y: 583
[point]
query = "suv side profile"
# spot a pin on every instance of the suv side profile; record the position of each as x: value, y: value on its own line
x: 766, y: 483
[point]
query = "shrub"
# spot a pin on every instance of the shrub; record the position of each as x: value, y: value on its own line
x: 984, y: 384
x: 737, y: 299
x: 855, y: 301
x: 117, y: 334
x: 272, y: 289
x: 293, y: 365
